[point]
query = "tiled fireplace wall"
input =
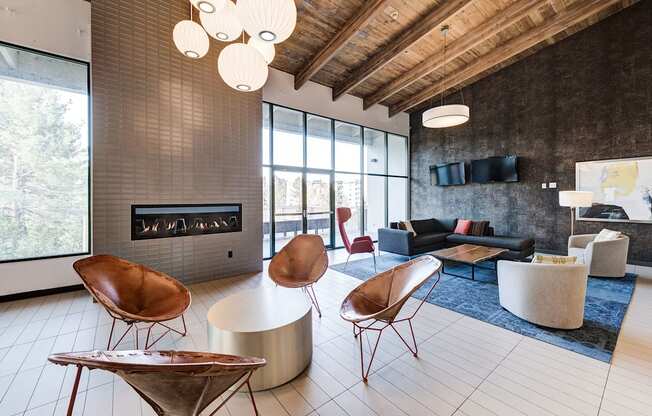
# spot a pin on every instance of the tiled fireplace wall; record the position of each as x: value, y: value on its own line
x: 167, y: 130
x: 588, y: 97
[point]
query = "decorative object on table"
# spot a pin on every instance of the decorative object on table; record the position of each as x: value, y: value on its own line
x: 375, y: 304
x: 274, y: 323
x: 242, y: 66
x: 134, y: 294
x: 359, y: 245
x: 300, y: 264
x: 574, y: 200
x: 605, y: 254
x: 622, y: 189
x: 172, y: 382
x: 606, y: 303
x: 551, y: 295
x: 448, y: 115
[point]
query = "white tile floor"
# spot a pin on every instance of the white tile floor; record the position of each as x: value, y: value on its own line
x: 465, y: 366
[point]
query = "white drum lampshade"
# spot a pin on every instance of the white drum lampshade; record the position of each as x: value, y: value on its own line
x: 242, y: 67
x: 445, y: 116
x: 209, y: 6
x: 268, y: 20
x: 575, y: 199
x: 223, y: 25
x: 191, y: 39
x: 265, y: 48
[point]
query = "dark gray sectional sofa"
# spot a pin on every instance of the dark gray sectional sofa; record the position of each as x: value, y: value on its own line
x: 434, y: 234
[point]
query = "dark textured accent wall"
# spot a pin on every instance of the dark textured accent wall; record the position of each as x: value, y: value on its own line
x: 588, y: 97
x: 166, y: 129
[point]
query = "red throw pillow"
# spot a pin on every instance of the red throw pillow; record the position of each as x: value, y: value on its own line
x: 463, y: 227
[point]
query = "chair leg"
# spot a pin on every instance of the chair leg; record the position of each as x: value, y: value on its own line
x: 374, y: 256
x: 347, y: 261
x: 313, y: 297
x: 414, y: 351
x: 73, y: 396
x: 108, y: 346
x: 253, y: 401
x: 365, y: 374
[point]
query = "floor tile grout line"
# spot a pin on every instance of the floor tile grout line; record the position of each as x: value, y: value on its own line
x: 485, y: 378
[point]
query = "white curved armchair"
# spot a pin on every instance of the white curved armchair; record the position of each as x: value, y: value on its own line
x: 603, y: 258
x: 551, y: 295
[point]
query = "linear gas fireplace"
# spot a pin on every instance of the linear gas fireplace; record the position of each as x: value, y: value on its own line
x: 162, y: 221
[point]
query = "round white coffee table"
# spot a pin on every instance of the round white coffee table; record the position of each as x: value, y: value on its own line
x: 271, y: 323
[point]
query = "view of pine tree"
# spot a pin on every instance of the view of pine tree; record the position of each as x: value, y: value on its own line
x: 43, y: 171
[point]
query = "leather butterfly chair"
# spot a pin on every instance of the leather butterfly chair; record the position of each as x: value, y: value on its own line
x: 364, y: 244
x: 376, y: 303
x: 300, y: 264
x: 174, y: 383
x: 134, y: 294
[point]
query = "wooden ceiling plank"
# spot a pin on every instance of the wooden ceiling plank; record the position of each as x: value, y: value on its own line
x: 341, y: 38
x: 496, y: 24
x: 406, y: 39
x: 562, y: 21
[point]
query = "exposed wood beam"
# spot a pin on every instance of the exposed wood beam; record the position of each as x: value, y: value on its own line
x: 501, y: 21
x: 343, y: 36
x: 562, y: 21
x: 406, y: 39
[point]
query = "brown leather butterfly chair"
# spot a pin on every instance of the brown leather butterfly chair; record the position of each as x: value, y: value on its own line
x: 376, y: 303
x: 174, y: 383
x: 300, y: 264
x: 134, y: 294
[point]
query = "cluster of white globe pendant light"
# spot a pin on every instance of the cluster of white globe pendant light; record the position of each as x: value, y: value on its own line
x: 243, y: 66
x: 445, y: 115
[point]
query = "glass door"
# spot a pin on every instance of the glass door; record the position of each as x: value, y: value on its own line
x: 318, y: 205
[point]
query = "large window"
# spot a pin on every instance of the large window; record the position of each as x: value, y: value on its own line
x: 313, y: 164
x: 44, y: 155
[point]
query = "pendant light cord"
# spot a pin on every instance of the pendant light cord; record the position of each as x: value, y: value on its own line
x: 443, y: 80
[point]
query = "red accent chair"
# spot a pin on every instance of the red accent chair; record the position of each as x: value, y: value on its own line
x: 362, y: 244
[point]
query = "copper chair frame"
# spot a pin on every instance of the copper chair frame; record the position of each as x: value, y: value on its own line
x: 244, y: 380
x: 134, y: 324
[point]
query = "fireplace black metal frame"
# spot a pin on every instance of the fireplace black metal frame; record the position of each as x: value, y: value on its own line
x: 135, y: 237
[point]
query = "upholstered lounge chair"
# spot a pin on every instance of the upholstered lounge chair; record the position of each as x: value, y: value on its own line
x: 603, y: 258
x: 363, y: 244
x: 174, y: 383
x: 133, y: 294
x: 376, y: 303
x: 300, y: 264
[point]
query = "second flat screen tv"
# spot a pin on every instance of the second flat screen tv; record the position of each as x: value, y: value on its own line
x: 495, y: 169
x: 448, y: 174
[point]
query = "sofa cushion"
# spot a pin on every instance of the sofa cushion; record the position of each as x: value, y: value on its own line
x: 463, y: 227
x: 425, y: 226
x: 510, y: 243
x: 540, y: 259
x: 607, y: 235
x: 422, y: 240
x: 479, y: 228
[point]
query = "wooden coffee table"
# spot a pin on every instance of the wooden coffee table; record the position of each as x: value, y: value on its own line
x: 467, y: 254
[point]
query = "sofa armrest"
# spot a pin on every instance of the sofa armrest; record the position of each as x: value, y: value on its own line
x: 395, y: 241
x: 580, y: 240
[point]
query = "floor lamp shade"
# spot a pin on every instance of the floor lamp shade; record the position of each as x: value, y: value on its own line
x: 575, y: 199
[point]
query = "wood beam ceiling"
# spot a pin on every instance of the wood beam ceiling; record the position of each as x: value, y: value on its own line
x: 350, y: 29
x: 406, y: 39
x: 504, y: 19
x: 564, y: 20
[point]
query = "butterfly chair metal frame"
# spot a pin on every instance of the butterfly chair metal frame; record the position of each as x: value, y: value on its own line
x: 134, y: 324
x: 69, y: 359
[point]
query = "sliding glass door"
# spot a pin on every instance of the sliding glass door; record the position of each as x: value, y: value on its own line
x: 313, y: 164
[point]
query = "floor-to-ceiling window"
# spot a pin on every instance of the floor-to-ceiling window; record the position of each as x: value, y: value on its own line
x: 44, y: 155
x: 314, y: 164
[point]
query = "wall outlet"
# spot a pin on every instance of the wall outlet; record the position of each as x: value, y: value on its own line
x: 552, y: 185
x: 544, y: 186
x: 229, y: 254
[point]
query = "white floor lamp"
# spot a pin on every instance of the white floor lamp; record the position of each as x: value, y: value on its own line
x: 574, y: 200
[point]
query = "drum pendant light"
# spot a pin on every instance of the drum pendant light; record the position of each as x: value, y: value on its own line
x: 268, y: 20
x: 445, y: 115
x: 209, y: 6
x: 242, y: 67
x: 223, y: 25
x: 190, y: 38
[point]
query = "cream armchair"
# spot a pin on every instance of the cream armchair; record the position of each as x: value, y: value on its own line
x: 603, y: 258
x: 551, y: 295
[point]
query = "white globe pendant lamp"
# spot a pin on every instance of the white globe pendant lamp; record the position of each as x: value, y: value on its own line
x: 191, y: 39
x: 242, y: 67
x: 223, y: 25
x: 265, y: 48
x: 445, y: 115
x: 209, y: 6
x: 268, y: 20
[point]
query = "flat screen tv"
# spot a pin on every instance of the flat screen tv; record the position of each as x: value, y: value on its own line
x: 495, y: 169
x: 448, y: 174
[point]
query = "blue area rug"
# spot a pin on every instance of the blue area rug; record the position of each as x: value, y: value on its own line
x: 606, y: 303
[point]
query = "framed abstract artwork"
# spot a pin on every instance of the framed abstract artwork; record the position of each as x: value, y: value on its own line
x: 622, y: 189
